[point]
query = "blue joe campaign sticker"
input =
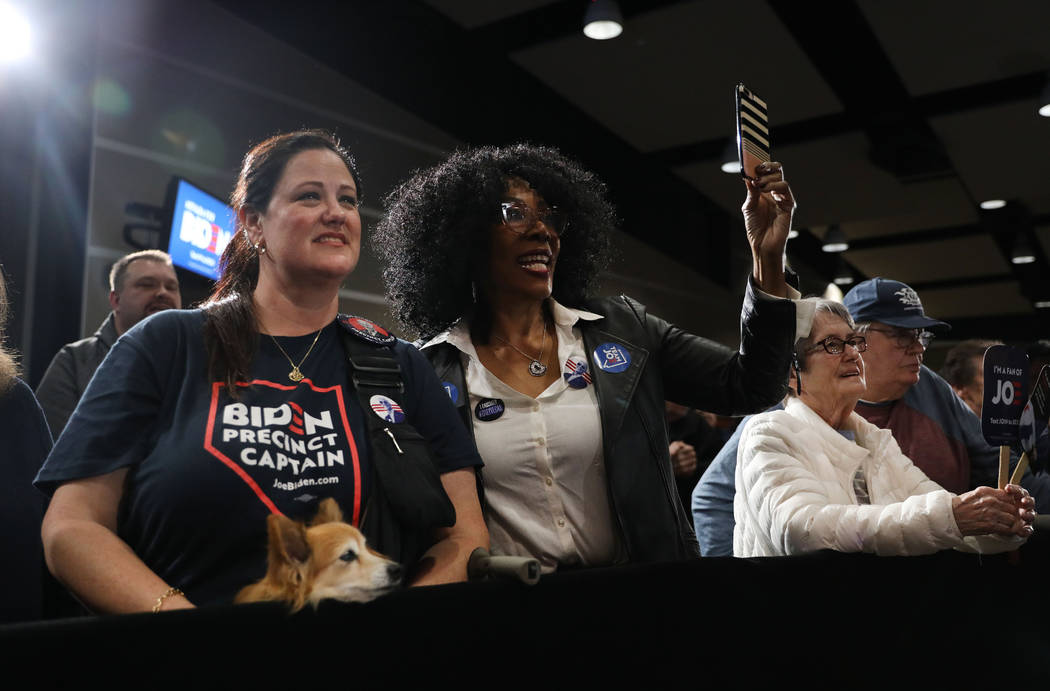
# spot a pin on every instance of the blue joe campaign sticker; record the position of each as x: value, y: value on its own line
x: 576, y: 373
x: 489, y: 409
x: 611, y: 357
x: 387, y: 409
x: 452, y: 391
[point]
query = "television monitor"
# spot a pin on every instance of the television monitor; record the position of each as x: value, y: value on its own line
x: 201, y: 226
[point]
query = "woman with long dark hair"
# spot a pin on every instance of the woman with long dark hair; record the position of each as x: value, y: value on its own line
x: 493, y: 255
x: 202, y: 422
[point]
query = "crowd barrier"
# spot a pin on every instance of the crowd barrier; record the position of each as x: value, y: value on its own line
x: 834, y: 620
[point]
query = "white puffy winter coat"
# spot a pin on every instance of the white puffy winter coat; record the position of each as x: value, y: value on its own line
x: 794, y: 492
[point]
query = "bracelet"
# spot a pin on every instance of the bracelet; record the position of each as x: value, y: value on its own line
x: 167, y: 593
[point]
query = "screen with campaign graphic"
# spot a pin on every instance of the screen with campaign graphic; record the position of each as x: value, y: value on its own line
x: 201, y: 227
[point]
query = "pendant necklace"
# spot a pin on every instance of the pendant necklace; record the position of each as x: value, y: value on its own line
x: 296, y: 375
x: 536, y: 366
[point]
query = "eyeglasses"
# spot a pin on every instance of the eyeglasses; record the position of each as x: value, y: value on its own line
x: 520, y: 218
x: 834, y: 345
x: 905, y: 338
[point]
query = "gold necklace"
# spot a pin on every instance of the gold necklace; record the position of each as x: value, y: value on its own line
x: 296, y: 374
x: 536, y: 366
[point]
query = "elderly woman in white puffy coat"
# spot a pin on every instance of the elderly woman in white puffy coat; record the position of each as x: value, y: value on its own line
x: 818, y: 476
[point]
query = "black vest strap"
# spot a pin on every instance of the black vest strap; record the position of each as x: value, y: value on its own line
x: 407, y: 501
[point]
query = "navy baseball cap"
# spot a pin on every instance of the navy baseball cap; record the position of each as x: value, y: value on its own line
x: 890, y: 302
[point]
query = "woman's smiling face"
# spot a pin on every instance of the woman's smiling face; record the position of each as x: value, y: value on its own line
x: 831, y: 381
x: 521, y: 264
x: 311, y: 228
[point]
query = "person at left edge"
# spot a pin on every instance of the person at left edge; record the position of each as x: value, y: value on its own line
x: 200, y: 423
x: 497, y: 250
x: 26, y: 442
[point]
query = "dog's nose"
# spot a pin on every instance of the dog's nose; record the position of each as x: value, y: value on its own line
x: 393, y: 571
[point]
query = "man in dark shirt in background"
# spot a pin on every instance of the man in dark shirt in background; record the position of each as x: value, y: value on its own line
x: 141, y: 283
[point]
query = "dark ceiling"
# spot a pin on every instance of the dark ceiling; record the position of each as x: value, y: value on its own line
x: 894, y: 120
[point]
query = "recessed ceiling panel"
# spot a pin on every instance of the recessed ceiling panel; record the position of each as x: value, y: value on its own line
x: 930, y: 204
x: 975, y: 301
x: 669, y: 78
x: 944, y: 44
x: 975, y: 255
x: 834, y: 182
x: 473, y: 13
x: 1000, y: 152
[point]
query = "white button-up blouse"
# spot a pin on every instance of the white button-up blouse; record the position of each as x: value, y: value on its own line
x: 545, y: 488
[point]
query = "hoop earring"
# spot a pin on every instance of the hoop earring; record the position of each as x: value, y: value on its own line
x: 473, y: 292
x: 798, y: 376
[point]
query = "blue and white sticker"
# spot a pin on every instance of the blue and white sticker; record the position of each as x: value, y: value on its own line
x: 489, y: 409
x: 387, y: 409
x: 576, y: 373
x: 452, y: 391
x: 611, y: 357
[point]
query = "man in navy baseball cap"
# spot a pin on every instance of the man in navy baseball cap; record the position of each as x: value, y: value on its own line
x: 890, y: 302
x: 930, y: 423
x: 890, y: 315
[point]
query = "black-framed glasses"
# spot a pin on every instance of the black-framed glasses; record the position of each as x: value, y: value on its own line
x: 834, y: 345
x: 521, y: 218
x: 904, y: 338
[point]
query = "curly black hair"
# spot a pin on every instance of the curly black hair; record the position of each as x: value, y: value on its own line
x: 428, y: 240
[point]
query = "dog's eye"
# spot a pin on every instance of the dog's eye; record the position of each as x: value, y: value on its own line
x: 348, y: 555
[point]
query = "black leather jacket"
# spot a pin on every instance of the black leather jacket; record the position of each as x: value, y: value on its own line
x: 666, y: 363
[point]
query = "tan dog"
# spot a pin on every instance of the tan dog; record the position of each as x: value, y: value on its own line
x: 329, y: 559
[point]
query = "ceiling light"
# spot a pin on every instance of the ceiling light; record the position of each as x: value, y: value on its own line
x: 843, y: 275
x: 835, y: 240
x: 730, y: 161
x: 1022, y: 253
x: 602, y: 20
x: 990, y: 204
x: 1041, y: 304
x: 1044, y: 99
x: 15, y: 35
x: 833, y: 292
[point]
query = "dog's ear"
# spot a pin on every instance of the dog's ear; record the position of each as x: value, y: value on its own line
x: 287, y: 539
x: 328, y: 512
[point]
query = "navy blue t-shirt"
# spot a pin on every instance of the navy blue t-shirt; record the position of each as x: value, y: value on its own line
x: 206, y: 469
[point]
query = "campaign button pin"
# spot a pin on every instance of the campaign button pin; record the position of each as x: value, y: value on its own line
x: 387, y: 409
x: 489, y: 409
x: 576, y: 373
x: 366, y: 329
x: 611, y: 357
x: 452, y: 391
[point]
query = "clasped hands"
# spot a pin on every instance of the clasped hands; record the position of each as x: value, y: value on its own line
x: 986, y: 510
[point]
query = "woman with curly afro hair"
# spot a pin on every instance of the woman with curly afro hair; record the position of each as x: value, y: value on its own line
x: 493, y: 256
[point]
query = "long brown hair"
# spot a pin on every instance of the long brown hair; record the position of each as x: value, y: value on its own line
x: 8, y: 364
x: 231, y: 330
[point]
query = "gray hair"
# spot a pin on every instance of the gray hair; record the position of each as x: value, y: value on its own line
x: 821, y: 305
